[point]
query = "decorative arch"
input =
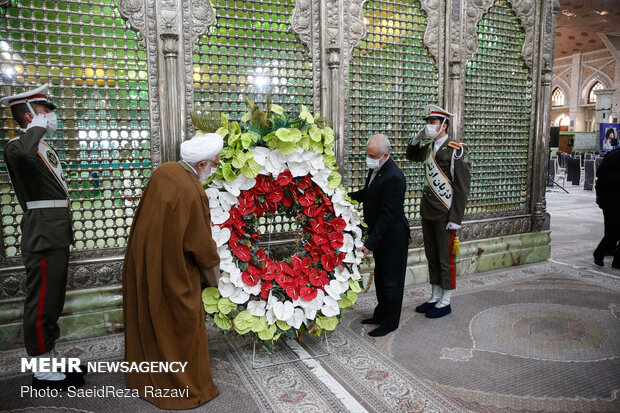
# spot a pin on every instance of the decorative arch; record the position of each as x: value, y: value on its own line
x: 587, y: 85
x: 558, y: 121
x: 558, y: 82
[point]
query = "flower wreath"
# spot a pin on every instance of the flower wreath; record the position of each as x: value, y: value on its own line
x: 284, y: 165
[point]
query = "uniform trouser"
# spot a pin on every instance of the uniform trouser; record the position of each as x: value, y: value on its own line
x: 609, y: 245
x: 390, y: 268
x: 438, y: 244
x: 46, y: 284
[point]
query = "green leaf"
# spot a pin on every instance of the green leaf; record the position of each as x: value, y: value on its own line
x: 268, y: 333
x: 225, y: 305
x: 327, y: 323
x: 222, y: 131
x: 247, y: 116
x: 344, y: 303
x: 329, y: 136
x: 329, y: 160
x: 316, y: 146
x: 288, y: 135
x: 277, y: 109
x: 355, y: 286
x: 282, y: 325
x: 304, y: 143
x: 287, y: 148
x: 250, y: 169
x: 227, y: 172
x: 306, y: 115
x: 210, y: 298
x: 249, y: 138
x: 352, y: 296
x: 260, y: 324
x: 334, y: 180
x: 244, y: 322
x: 225, y: 120
x: 315, y: 133
x: 222, y: 321
x: 239, y: 159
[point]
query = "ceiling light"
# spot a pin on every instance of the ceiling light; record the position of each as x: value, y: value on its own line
x: 568, y: 13
x: 602, y: 13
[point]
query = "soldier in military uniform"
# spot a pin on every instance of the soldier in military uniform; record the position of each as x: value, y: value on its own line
x: 38, y: 181
x: 446, y: 165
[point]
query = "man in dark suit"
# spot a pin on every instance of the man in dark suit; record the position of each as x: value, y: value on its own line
x: 39, y: 183
x: 608, y: 199
x: 383, y: 198
x: 446, y: 166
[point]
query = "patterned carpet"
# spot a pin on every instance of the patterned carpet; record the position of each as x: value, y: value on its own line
x: 536, y: 338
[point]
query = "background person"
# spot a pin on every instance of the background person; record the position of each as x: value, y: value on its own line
x: 608, y: 199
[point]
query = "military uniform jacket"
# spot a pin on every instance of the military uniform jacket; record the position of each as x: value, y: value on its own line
x: 33, y: 180
x: 431, y: 207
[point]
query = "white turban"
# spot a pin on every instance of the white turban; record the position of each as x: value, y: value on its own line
x: 204, y: 146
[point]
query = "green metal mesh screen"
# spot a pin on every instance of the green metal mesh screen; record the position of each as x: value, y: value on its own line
x: 497, y: 115
x: 250, y: 51
x: 392, y: 78
x: 99, y: 83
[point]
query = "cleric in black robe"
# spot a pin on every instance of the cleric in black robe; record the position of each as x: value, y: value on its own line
x: 383, y: 198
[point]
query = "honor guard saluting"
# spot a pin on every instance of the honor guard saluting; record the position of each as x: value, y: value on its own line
x: 38, y: 181
x: 446, y: 166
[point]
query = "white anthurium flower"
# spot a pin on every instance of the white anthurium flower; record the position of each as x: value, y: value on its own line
x: 335, y: 288
x: 225, y: 287
x: 341, y: 273
x: 212, y: 194
x: 228, y: 265
x: 356, y: 273
x: 283, y: 310
x: 224, y: 252
x: 220, y: 235
x: 235, y: 277
x: 257, y: 308
x: 347, y: 243
x: 271, y: 317
x: 330, y: 307
x: 350, y: 258
x: 219, y: 216
x: 310, y: 312
x: 296, y: 319
x: 233, y: 187
x: 217, y: 184
x: 298, y: 169
x: 317, y: 163
x: 318, y: 300
x: 245, y: 183
x: 296, y: 156
x: 275, y: 163
x: 227, y: 200
x: 358, y: 243
x: 239, y: 296
x: 260, y: 155
x: 252, y: 289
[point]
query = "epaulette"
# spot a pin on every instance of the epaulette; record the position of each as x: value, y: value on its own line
x: 454, y: 144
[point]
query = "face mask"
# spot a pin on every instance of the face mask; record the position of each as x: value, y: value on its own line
x: 52, y: 122
x: 431, y: 131
x: 373, y: 163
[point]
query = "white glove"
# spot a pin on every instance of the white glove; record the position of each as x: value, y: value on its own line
x: 418, y: 137
x: 38, y: 120
x: 452, y: 226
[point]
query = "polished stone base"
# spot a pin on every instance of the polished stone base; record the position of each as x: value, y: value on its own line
x: 98, y: 311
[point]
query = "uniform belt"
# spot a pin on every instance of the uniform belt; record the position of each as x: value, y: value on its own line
x: 48, y: 203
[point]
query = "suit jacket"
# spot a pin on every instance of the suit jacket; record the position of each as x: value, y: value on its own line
x: 383, y: 202
x: 44, y: 228
x: 608, y: 181
x: 431, y: 208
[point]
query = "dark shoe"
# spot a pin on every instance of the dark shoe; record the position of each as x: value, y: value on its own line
x: 371, y: 321
x: 381, y: 331
x: 439, y: 312
x: 599, y: 261
x: 71, y: 380
x: 423, y: 308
